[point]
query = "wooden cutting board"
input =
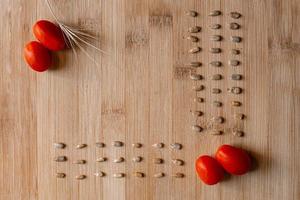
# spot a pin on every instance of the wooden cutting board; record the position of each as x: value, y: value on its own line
x: 141, y: 91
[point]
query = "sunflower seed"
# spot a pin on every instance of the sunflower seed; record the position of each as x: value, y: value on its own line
x: 235, y: 90
x: 198, y: 88
x: 178, y: 175
x: 239, y: 116
x: 136, y: 145
x: 101, y: 159
x: 176, y: 146
x: 138, y: 174
x: 217, y: 103
x: 218, y: 119
x: 118, y: 160
x: 192, y: 38
x: 197, y: 128
x: 80, y: 146
x: 236, y: 39
x: 117, y: 144
x: 215, y: 50
x: 191, y: 13
x: 215, y: 13
x: 216, y: 38
x: 80, y: 177
x: 235, y: 15
x: 215, y: 132
x: 195, y: 50
x: 196, y: 77
x: 197, y: 113
x: 238, y: 133
x: 118, y: 175
x: 137, y: 159
x: 61, y: 159
x: 235, y: 51
x: 59, y: 145
x: 194, y: 29
x: 216, y: 77
x: 199, y: 100
x: 216, y: 63
x: 158, y: 161
x: 236, y: 103
x: 79, y: 162
x: 100, y: 144
x: 159, y: 175
x: 99, y: 174
x: 158, y: 145
x: 60, y: 175
x: 233, y: 62
x: 194, y: 64
x: 178, y: 162
x: 234, y: 26
x: 236, y: 77
x: 216, y: 91
x: 215, y: 26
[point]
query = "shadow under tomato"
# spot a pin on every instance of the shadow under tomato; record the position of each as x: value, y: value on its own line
x: 58, y: 60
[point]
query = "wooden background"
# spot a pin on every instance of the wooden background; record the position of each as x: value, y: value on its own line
x: 141, y: 92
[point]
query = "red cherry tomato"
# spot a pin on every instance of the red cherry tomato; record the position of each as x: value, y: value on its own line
x: 49, y: 34
x: 209, y: 170
x: 234, y: 160
x: 37, y: 56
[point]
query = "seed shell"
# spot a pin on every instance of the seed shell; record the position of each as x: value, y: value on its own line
x: 216, y: 63
x: 239, y: 116
x: 194, y: 64
x: 81, y: 146
x: 215, y: 13
x: 236, y: 103
x: 197, y: 113
x: 192, y: 38
x: 117, y: 143
x: 137, y: 159
x: 101, y: 159
x: 216, y: 91
x: 191, y: 13
x: 79, y: 162
x: 236, y: 39
x: 139, y: 174
x: 178, y: 175
x: 235, y: 90
x: 216, y: 38
x: 197, y: 128
x: 238, y: 133
x: 215, y: 26
x: 80, y: 177
x: 195, y: 50
x: 234, y: 26
x: 100, y: 145
x: 176, y: 146
x: 216, y: 77
x: 218, y: 119
x: 235, y: 51
x: 158, y: 160
x: 60, y: 175
x: 196, y: 77
x: 215, y: 132
x: 217, y: 103
x: 199, y: 100
x: 59, y: 145
x: 233, y: 62
x: 99, y: 174
x: 235, y: 15
x: 215, y: 50
x: 119, y: 160
x: 61, y: 159
x: 198, y: 88
x: 158, y: 145
x: 178, y: 162
x: 118, y: 175
x: 137, y: 145
x: 194, y: 29
x: 159, y: 175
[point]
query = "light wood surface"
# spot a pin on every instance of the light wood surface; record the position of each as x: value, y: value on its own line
x: 141, y: 92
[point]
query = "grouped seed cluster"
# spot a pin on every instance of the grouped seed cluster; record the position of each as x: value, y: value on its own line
x: 135, y: 159
x: 193, y: 37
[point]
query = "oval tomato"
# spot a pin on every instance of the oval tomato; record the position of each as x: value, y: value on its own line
x: 234, y: 160
x: 49, y: 34
x: 209, y: 170
x: 37, y: 56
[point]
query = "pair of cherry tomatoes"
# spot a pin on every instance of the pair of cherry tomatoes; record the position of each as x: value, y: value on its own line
x: 231, y: 159
x: 50, y: 37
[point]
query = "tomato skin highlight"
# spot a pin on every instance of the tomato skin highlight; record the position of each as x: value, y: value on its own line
x: 37, y: 56
x: 49, y: 34
x: 234, y: 160
x: 209, y: 170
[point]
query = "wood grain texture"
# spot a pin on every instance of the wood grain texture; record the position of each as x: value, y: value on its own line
x: 141, y: 92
